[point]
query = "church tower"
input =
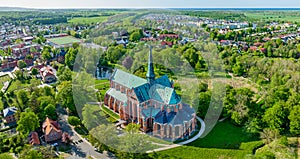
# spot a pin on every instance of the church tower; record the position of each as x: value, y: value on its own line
x: 150, y: 72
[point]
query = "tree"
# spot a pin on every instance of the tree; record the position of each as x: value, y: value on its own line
x: 31, y: 154
x: 135, y: 36
x: 70, y: 57
x: 34, y: 71
x: 19, y: 75
x: 127, y: 62
x: 28, y: 122
x: 294, y: 118
x: 276, y: 117
x: 90, y: 117
x: 22, y: 98
x: 268, y: 135
x: 74, y: 121
x: 33, y: 84
x: 237, y: 103
x: 65, y: 96
x: 21, y: 64
x: 65, y: 74
x: 6, y: 156
x: 100, y: 133
x: 50, y: 111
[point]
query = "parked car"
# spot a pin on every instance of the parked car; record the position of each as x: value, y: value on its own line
x: 55, y: 144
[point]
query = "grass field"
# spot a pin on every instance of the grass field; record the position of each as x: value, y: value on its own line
x: 4, y: 79
x: 287, y: 16
x: 14, y: 86
x: 225, y: 141
x: 102, y: 86
x: 64, y: 40
x: 88, y: 20
x: 111, y: 114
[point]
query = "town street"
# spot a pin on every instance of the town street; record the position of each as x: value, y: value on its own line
x: 80, y: 150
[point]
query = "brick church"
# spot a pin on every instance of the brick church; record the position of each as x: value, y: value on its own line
x: 153, y: 103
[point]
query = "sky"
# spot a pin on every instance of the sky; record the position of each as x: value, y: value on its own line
x: 151, y: 3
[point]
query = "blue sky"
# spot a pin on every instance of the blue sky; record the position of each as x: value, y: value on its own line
x: 151, y: 3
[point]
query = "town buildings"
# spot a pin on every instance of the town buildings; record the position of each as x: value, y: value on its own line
x: 9, y: 115
x: 51, y: 130
x: 153, y: 103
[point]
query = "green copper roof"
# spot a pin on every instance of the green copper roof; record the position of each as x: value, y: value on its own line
x: 150, y: 112
x: 164, y: 94
x: 117, y: 95
x: 127, y: 79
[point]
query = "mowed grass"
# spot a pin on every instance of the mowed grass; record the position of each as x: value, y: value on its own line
x: 102, y: 86
x: 224, y: 141
x: 14, y: 86
x: 101, y: 81
x: 4, y: 79
x: 110, y: 113
x: 87, y: 20
x: 64, y: 40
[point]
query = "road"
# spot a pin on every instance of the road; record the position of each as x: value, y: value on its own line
x: 80, y: 150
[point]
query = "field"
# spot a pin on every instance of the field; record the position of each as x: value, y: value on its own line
x: 89, y: 20
x: 102, y: 86
x: 16, y: 85
x: 225, y: 141
x: 64, y: 40
x: 290, y: 16
x: 4, y: 79
x: 110, y: 113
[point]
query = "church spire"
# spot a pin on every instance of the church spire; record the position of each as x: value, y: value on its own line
x: 150, y: 73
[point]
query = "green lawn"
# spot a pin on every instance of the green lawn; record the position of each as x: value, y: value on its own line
x: 224, y: 141
x: 64, y: 40
x: 111, y: 114
x: 15, y: 85
x: 102, y: 86
x: 101, y: 81
x: 287, y: 16
x: 87, y: 20
x: 4, y: 79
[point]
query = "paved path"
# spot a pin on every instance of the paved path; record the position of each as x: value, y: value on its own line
x: 12, y: 76
x: 184, y: 142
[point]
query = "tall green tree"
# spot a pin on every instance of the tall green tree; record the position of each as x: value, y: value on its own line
x: 294, y: 118
x: 28, y: 122
x: 50, y: 111
x: 276, y: 117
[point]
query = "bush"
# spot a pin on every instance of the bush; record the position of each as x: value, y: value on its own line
x: 265, y: 155
x: 283, y: 141
x: 74, y: 121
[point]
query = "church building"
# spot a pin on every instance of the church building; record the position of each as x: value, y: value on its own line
x: 153, y: 103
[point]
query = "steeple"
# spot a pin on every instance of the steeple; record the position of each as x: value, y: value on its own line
x: 150, y: 73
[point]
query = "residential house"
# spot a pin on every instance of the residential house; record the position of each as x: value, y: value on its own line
x: 9, y: 115
x: 164, y: 43
x: 51, y: 130
x: 33, y: 138
x: 47, y: 74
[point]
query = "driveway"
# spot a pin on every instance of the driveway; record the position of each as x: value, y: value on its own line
x: 80, y: 150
